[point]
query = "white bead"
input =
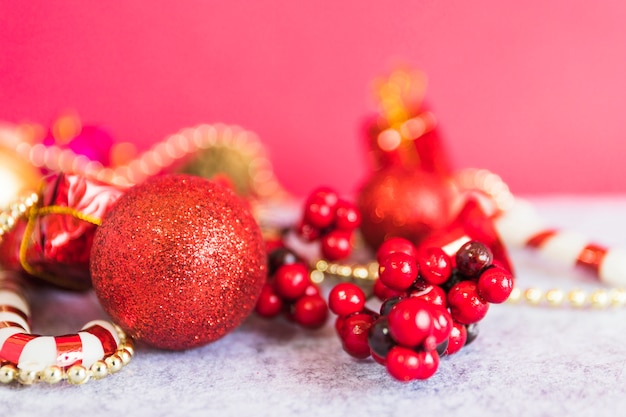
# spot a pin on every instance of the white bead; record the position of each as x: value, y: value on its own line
x: 517, y: 225
x: 613, y: 267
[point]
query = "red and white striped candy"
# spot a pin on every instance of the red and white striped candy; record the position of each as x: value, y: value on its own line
x: 521, y: 226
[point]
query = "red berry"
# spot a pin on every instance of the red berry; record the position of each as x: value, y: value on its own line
x: 310, y: 311
x: 442, y: 324
x: 383, y: 292
x: 353, y: 333
x: 472, y: 258
x: 411, y: 322
x: 458, y: 336
x: 347, y: 216
x: 403, y: 364
x: 279, y: 257
x: 318, y: 214
x: 312, y: 289
x: 495, y: 284
x: 466, y: 306
x: 393, y: 245
x: 269, y: 304
x: 291, y: 281
x: 429, y: 362
x: 435, y: 265
x: 398, y: 270
x: 346, y: 298
x: 308, y: 232
x: 433, y: 294
x: 326, y: 195
x: 336, y: 245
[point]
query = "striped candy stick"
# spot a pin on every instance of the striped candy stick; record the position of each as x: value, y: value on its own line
x: 521, y: 226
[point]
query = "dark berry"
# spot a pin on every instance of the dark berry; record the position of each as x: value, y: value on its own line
x: 279, y: 257
x: 388, y: 304
x: 442, y: 348
x: 472, y: 333
x: 379, y: 339
x: 472, y: 258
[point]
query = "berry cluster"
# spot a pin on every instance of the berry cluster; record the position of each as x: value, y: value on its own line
x: 431, y: 304
x: 331, y: 220
x: 289, y: 291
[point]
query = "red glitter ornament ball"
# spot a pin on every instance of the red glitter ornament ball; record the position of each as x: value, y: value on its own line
x: 400, y: 202
x: 178, y: 262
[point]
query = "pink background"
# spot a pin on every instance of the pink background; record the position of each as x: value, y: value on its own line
x: 533, y: 90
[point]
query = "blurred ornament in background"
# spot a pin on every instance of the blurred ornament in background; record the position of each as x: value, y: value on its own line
x: 409, y: 192
x: 17, y: 176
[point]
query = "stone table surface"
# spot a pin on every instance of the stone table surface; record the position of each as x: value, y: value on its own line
x: 530, y: 361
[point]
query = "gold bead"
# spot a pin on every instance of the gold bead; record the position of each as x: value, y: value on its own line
x: 125, y: 356
x: 360, y: 272
x: 515, y: 296
x: 317, y: 277
x: 321, y: 265
x: 52, y: 374
x: 618, y: 297
x: 129, y: 345
x: 577, y: 298
x: 533, y: 295
x: 600, y: 299
x: 7, y: 373
x: 26, y: 377
x: 555, y: 297
x: 99, y: 370
x: 114, y: 363
x: 77, y: 375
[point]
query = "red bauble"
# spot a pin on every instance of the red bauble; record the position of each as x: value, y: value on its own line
x: 178, y: 262
x: 408, y: 203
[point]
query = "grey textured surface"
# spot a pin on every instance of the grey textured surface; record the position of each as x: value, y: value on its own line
x: 527, y: 361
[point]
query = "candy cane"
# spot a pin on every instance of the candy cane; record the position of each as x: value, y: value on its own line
x: 521, y: 226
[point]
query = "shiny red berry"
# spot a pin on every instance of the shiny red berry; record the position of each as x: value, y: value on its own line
x: 383, y: 292
x: 347, y: 216
x: 310, y: 311
x: 411, y: 322
x: 320, y: 207
x: 393, y: 245
x: 403, y: 364
x: 472, y: 258
x: 291, y: 281
x: 435, y: 265
x: 354, y: 332
x: 429, y: 362
x: 269, y: 304
x: 336, y: 245
x: 458, y: 336
x: 495, y: 284
x: 326, y: 195
x: 312, y: 289
x: 346, y: 298
x: 466, y: 306
x: 433, y: 294
x: 398, y: 271
x: 442, y: 324
x: 308, y: 232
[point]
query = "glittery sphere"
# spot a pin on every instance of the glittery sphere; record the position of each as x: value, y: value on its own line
x: 178, y: 262
x: 408, y: 203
